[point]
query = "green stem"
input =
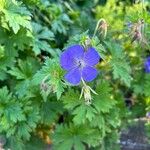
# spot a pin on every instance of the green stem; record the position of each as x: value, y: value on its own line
x: 83, y: 82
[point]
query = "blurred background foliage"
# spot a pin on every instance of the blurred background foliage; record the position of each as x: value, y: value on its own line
x: 37, y: 107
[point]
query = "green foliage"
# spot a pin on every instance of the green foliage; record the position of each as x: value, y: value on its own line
x: 15, y: 15
x: 52, y: 108
x: 37, y: 105
x: 24, y: 73
x: 75, y: 137
x: 50, y: 78
x: 40, y: 35
x: 147, y: 86
x: 18, y: 117
x: 60, y: 20
x: 98, y: 115
x: 119, y: 64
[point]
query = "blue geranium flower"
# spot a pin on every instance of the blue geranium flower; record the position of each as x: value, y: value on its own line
x: 147, y: 65
x: 79, y: 63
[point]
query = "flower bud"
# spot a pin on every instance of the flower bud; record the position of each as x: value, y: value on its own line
x: 86, y: 92
x: 87, y: 95
x: 103, y: 27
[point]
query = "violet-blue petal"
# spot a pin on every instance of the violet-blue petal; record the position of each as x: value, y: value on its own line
x: 147, y: 65
x: 73, y: 76
x: 91, y: 56
x: 68, y: 57
x: 89, y: 73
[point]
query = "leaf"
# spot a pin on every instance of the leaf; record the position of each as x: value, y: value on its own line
x: 9, y: 55
x: 41, y: 36
x: 78, y: 38
x: 3, y: 75
x: 119, y: 64
x: 71, y: 99
x: 10, y: 111
x: 16, y: 15
x: 33, y: 117
x: 138, y: 85
x: 107, y: 117
x: 147, y: 85
x: 74, y: 137
x: 115, y: 122
x: 78, y: 108
x: 2, y: 49
x: 99, y: 47
x: 121, y: 70
x: 22, y: 39
x: 22, y: 87
x: 23, y: 130
x: 24, y: 127
x: 18, y: 117
x: 24, y: 72
x: 82, y: 113
x: 5, y: 96
x: 16, y: 143
x: 25, y: 69
x: 49, y: 112
x: 99, y: 121
x: 60, y: 20
x: 103, y: 101
x: 14, y: 112
x: 50, y: 78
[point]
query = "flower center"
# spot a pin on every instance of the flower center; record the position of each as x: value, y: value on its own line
x: 80, y: 63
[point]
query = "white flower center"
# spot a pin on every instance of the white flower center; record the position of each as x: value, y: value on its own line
x: 80, y: 63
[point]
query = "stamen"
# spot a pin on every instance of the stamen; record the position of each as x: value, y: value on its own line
x: 80, y: 63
